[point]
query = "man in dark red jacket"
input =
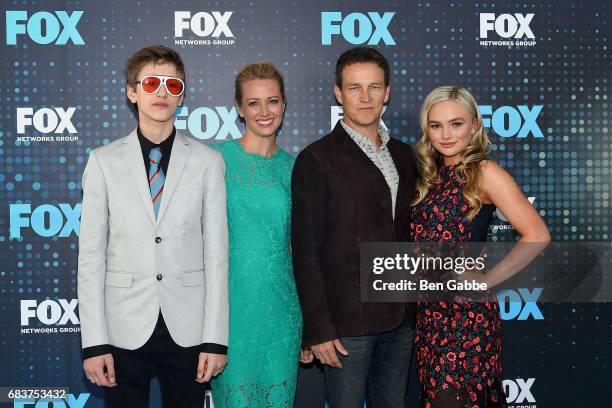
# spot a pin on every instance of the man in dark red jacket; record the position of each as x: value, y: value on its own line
x: 353, y: 185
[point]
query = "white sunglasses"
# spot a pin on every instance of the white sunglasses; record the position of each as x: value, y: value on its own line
x: 150, y: 84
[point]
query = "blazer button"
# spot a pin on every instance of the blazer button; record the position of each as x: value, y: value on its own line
x: 159, y: 277
x: 158, y: 240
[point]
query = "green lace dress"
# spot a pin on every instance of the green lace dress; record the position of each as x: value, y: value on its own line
x: 265, y: 322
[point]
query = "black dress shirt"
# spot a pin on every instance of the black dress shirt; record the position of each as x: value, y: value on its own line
x: 166, y: 148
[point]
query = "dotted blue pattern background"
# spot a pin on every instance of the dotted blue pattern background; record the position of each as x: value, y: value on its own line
x: 567, y: 171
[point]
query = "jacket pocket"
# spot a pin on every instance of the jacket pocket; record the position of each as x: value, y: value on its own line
x: 187, y: 187
x: 195, y: 278
x: 118, y: 280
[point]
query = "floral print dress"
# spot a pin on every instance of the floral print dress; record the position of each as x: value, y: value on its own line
x: 458, y: 344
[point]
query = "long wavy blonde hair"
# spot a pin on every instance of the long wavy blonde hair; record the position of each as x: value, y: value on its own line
x: 429, y: 159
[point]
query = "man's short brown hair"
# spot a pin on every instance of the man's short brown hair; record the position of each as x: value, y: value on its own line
x: 156, y: 54
x: 361, y: 55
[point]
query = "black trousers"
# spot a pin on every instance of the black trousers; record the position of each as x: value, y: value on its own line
x: 174, y: 366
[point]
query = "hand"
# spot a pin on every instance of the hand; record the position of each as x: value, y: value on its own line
x: 306, y: 356
x: 95, y: 370
x: 472, y: 275
x: 469, y: 274
x: 210, y: 365
x: 326, y: 352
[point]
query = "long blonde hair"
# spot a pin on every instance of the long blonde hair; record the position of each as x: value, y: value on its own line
x: 429, y: 159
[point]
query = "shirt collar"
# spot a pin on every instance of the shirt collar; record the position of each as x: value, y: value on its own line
x: 146, y: 145
x: 359, y: 138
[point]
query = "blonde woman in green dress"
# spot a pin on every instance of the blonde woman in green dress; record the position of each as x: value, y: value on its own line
x: 265, y: 316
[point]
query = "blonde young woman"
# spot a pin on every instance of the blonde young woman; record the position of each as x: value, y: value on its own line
x: 458, y: 344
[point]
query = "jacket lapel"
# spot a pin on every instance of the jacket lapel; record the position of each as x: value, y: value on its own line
x: 345, y: 139
x: 355, y: 150
x: 133, y: 157
x: 178, y: 160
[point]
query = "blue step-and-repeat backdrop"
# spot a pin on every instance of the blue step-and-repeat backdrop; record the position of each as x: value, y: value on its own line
x: 540, y: 71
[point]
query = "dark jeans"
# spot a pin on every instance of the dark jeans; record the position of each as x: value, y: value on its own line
x: 174, y: 366
x: 376, y: 368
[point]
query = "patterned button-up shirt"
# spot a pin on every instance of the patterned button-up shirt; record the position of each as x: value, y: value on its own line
x: 381, y: 157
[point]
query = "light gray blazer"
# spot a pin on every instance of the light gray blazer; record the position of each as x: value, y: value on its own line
x: 123, y: 247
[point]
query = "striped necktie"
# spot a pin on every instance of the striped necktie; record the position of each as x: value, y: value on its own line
x: 156, y: 178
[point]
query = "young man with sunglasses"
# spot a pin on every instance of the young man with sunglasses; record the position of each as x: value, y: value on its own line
x: 153, y: 250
